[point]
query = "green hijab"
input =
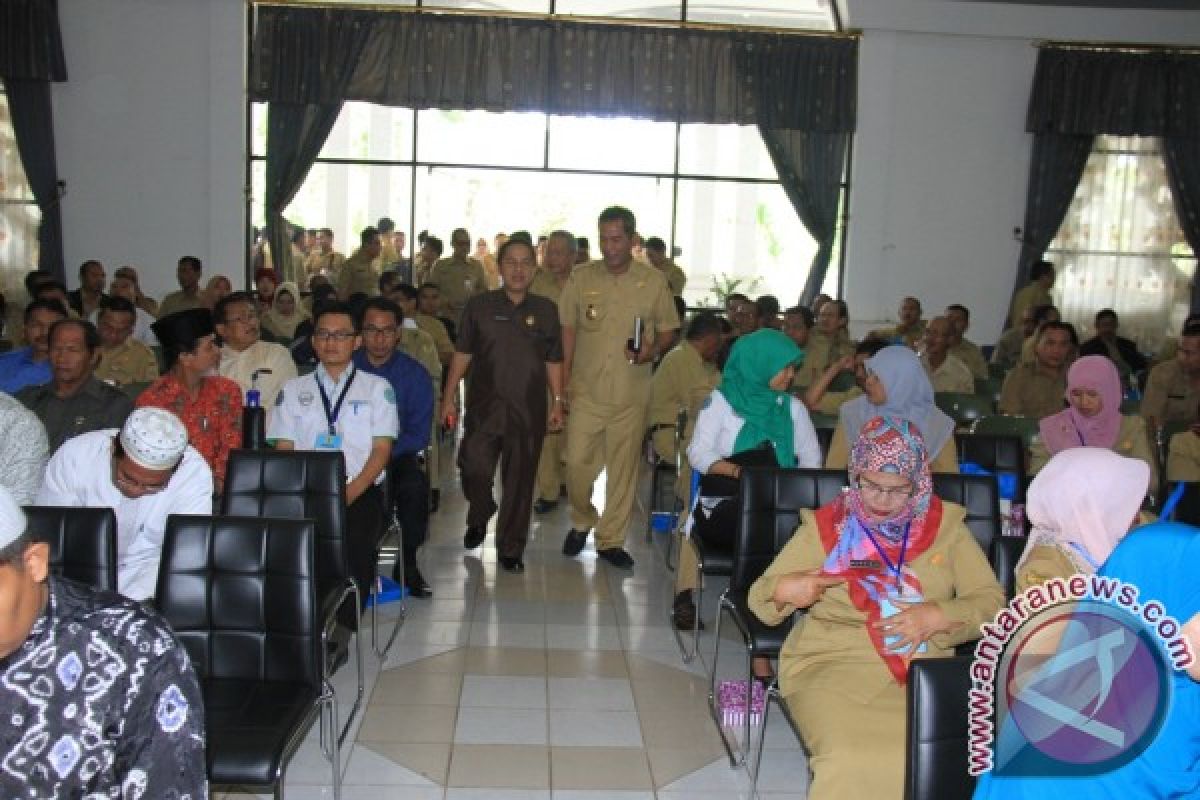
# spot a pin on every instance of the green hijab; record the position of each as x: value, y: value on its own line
x: 756, y: 358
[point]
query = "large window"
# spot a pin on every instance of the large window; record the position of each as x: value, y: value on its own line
x: 709, y: 191
x: 1121, y: 246
x: 19, y: 220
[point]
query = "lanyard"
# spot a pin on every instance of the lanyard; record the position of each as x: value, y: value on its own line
x: 899, y: 565
x: 331, y: 414
x: 1078, y: 433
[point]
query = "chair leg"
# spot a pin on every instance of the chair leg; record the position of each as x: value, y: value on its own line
x: 382, y: 652
x: 361, y: 690
x: 739, y: 758
x: 772, y: 696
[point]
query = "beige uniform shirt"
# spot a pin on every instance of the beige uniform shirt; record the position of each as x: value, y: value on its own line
x: 910, y: 336
x: 1031, y: 296
x: 129, y: 362
x: 240, y: 367
x: 823, y: 350
x: 545, y: 284
x: 969, y: 354
x: 676, y: 277
x: 458, y: 282
x: 1170, y: 396
x: 179, y: 301
x: 327, y: 264
x: 951, y: 376
x: 601, y: 308
x: 683, y: 380
x: 437, y: 332
x: 417, y: 344
x: 1008, y: 348
x: 357, y: 275
x: 1029, y: 392
x: 1132, y: 442
x: 1183, y: 458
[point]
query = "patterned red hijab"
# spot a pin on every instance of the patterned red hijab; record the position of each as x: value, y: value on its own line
x: 874, y: 555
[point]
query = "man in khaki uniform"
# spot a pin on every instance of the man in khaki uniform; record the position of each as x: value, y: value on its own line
x: 1173, y: 388
x: 798, y: 323
x: 459, y: 277
x: 358, y: 275
x: 1035, y: 293
x: 243, y: 353
x: 123, y: 359
x: 609, y: 382
x: 830, y: 341
x: 147, y: 304
x: 909, y: 330
x: 1038, y: 389
x: 406, y: 295
x: 656, y: 254
x: 961, y: 348
x: 1008, y: 347
x: 418, y: 345
x: 684, y: 380
x: 946, y: 372
x: 549, y: 282
x: 323, y: 259
x: 187, y: 272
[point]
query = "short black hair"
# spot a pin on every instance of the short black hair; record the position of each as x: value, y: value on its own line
x: 434, y: 244
x: 1042, y: 313
x: 619, y: 214
x: 655, y: 243
x: 326, y: 232
x: 298, y: 235
x: 368, y: 233
x: 960, y: 308
x: 44, y: 304
x: 582, y: 243
x: 510, y: 243
x: 83, y: 267
x: 91, y: 337
x: 735, y: 296
x: 343, y: 309
x: 870, y: 346
x: 1106, y: 313
x: 428, y: 285
x: 53, y: 284
x: 1056, y: 325
x: 1039, y: 269
x: 703, y: 324
x: 192, y: 262
x: 233, y: 298
x: 522, y: 236
x: 842, y: 309
x: 378, y: 304
x: 804, y: 312
x: 35, y: 278
x: 385, y: 225
x: 1192, y: 330
x: 117, y: 305
x: 767, y: 306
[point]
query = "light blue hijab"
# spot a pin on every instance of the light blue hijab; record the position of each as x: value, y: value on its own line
x: 909, y: 396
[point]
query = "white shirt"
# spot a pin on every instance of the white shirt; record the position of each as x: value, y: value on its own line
x: 80, y: 475
x: 367, y: 413
x: 141, y: 326
x: 240, y: 367
x: 718, y: 425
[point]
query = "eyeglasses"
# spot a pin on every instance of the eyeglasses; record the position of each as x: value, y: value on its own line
x: 341, y: 337
x: 884, y: 492
x: 127, y: 483
x: 371, y: 330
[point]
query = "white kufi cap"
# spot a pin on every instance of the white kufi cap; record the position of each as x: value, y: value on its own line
x: 12, y: 518
x: 154, y: 438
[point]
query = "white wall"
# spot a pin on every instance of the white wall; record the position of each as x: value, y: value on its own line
x: 150, y: 135
x: 941, y: 157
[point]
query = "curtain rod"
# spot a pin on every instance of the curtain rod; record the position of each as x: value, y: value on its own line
x: 1117, y: 47
x: 642, y: 23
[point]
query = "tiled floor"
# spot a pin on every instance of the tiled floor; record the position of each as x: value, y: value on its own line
x: 563, y: 683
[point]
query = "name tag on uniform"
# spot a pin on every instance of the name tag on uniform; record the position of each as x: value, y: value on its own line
x: 500, y: 318
x: 328, y: 441
x: 865, y: 563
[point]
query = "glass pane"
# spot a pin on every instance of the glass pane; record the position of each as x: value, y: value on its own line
x: 618, y: 8
x: 343, y: 197
x: 728, y: 151
x: 620, y: 144
x: 809, y: 14
x: 258, y: 129
x: 481, y: 137
x: 745, y: 232
x: 487, y: 202
x: 19, y: 220
x: 527, y: 6
x: 371, y: 132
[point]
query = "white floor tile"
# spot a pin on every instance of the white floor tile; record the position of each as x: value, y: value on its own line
x: 486, y: 691
x: 595, y: 729
x: 500, y: 726
x: 591, y: 694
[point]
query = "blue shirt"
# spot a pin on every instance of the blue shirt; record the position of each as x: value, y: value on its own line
x: 414, y: 398
x: 18, y: 370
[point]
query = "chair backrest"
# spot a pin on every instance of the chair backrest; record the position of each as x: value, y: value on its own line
x: 294, y: 484
x: 964, y: 409
x: 1003, y: 556
x: 995, y: 452
x: 240, y: 593
x: 824, y: 439
x: 936, y: 744
x: 770, y: 499
x: 979, y: 495
x: 1188, y: 508
x: 1006, y: 424
x: 83, y: 542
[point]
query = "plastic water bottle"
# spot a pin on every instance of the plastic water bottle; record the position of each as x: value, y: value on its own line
x: 1016, y: 520
x: 254, y: 418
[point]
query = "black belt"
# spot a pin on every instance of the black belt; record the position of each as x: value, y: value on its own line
x: 662, y: 426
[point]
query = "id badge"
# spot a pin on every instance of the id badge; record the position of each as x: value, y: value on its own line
x: 329, y: 441
x: 887, y: 608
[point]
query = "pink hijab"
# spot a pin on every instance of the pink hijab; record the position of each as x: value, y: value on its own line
x: 1084, y: 501
x: 1068, y: 428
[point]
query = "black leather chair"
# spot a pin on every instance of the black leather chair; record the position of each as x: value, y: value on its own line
x: 1188, y: 508
x: 712, y: 562
x: 824, y: 439
x: 978, y: 494
x: 996, y: 453
x: 304, y: 484
x: 1004, y: 554
x: 769, y: 503
x: 936, y: 743
x: 240, y: 592
x: 83, y: 542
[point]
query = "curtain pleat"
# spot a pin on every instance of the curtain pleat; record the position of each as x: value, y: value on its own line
x: 1182, y: 158
x: 30, y: 41
x: 33, y: 124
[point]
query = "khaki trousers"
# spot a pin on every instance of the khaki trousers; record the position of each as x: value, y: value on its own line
x: 609, y: 437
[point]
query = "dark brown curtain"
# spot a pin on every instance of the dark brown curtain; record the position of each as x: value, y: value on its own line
x: 1182, y: 157
x: 31, y: 57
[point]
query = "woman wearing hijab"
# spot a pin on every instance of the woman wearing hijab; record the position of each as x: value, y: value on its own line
x: 286, y: 312
x: 887, y: 572
x: 1160, y: 560
x: 751, y: 407
x: 896, y: 385
x: 1083, y: 503
x: 1093, y: 418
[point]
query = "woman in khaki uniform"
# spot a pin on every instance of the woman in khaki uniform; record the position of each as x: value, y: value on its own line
x: 1093, y: 418
x: 1080, y: 506
x: 887, y: 573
